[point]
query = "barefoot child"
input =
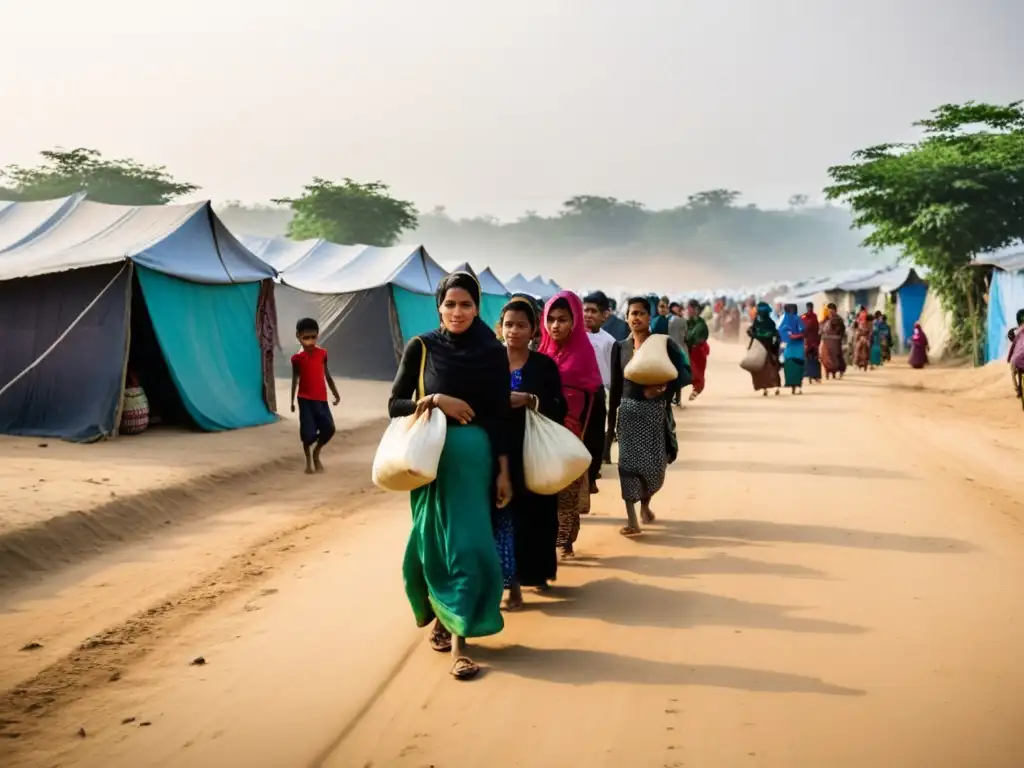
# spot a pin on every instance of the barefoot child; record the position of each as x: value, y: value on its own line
x: 310, y: 378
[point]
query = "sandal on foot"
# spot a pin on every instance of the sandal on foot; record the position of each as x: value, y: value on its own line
x: 441, y: 640
x: 465, y: 669
x: 629, y: 531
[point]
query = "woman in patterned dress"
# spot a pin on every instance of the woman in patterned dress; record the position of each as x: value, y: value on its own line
x: 640, y: 417
x: 526, y: 530
x: 564, y: 339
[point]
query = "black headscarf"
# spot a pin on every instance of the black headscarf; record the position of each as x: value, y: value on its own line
x: 458, y: 354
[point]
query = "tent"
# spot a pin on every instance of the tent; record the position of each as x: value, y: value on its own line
x: 1005, y: 297
x: 370, y: 301
x: 519, y: 284
x: 538, y: 287
x: 90, y: 293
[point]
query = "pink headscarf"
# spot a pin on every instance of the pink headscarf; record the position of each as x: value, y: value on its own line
x: 576, y: 361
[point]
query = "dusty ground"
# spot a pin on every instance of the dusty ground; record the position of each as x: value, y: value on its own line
x: 63, y: 502
x: 835, y: 580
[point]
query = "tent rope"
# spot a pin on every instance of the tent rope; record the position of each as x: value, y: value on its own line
x: 61, y: 338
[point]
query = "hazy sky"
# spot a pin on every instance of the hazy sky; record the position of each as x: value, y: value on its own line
x: 491, y: 107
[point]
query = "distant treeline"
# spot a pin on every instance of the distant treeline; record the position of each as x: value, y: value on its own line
x: 711, y: 237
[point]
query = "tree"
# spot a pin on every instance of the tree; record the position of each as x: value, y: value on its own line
x: 798, y: 201
x: 956, y: 193
x: 349, y: 213
x: 65, y: 172
x: 714, y: 198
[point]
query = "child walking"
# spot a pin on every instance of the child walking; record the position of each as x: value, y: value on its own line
x: 310, y: 379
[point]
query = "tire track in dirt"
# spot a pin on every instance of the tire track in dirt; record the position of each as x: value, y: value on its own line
x: 107, y: 657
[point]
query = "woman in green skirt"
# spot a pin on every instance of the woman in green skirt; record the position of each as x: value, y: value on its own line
x: 452, y: 572
x: 791, y: 331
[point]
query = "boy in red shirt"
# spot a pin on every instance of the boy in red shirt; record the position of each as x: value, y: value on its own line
x: 311, y: 378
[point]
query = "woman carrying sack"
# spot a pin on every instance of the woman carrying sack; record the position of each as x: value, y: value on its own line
x: 763, y: 331
x: 564, y: 340
x: 451, y: 568
x: 640, y: 416
x: 527, y: 529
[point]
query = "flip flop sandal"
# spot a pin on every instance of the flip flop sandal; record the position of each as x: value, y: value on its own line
x: 441, y: 641
x: 630, y: 532
x: 465, y: 669
x: 511, y: 607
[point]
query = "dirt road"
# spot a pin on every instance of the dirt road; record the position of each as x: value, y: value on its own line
x: 835, y: 580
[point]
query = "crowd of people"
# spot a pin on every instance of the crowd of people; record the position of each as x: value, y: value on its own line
x: 478, y: 530
x: 805, y: 347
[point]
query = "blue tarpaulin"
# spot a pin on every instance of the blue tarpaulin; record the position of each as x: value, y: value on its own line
x: 911, y: 298
x: 1005, y: 297
x: 73, y: 393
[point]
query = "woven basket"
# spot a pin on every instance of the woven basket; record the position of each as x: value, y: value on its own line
x: 135, y: 412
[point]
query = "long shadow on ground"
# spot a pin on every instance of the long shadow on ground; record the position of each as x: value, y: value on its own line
x: 720, y: 565
x: 678, y: 532
x: 777, y: 468
x: 700, y: 436
x: 579, y: 667
x: 615, y: 601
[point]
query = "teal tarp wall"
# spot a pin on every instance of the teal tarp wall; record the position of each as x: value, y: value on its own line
x: 417, y: 313
x: 490, y: 311
x: 207, y: 334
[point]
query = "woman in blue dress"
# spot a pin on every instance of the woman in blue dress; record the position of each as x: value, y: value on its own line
x: 791, y: 332
x: 526, y: 530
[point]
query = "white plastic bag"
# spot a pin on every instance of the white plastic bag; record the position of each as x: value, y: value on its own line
x: 553, y: 457
x: 650, y: 365
x: 410, y: 451
x: 756, y: 358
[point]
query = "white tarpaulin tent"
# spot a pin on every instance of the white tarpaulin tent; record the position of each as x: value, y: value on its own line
x: 369, y: 301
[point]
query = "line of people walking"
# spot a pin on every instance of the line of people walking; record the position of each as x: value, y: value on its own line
x: 799, y: 347
x: 477, y: 529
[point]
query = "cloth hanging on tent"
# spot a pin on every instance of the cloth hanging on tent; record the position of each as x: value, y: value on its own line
x: 266, y: 331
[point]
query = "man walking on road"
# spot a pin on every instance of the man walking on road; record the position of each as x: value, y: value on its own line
x: 595, y: 309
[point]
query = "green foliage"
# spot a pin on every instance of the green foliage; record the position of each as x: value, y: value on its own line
x: 65, y: 172
x: 956, y: 193
x: 349, y: 213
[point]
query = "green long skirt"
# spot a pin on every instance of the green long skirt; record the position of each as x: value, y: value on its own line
x: 794, y: 372
x: 451, y: 567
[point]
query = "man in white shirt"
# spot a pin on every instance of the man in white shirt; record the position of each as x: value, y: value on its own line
x: 595, y: 310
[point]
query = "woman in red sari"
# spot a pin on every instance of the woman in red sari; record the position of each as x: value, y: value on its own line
x: 697, y: 346
x: 564, y: 339
x: 812, y: 341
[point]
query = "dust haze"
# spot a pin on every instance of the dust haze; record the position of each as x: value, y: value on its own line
x: 490, y: 118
